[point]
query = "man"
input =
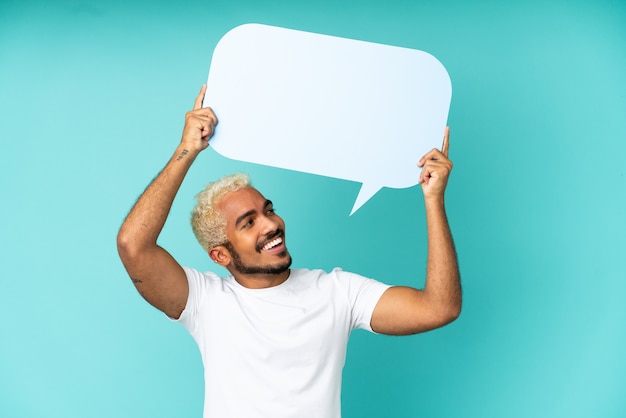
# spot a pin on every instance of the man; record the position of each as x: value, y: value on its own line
x: 273, y: 339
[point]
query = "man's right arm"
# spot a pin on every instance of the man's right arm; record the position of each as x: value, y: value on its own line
x: 156, y: 274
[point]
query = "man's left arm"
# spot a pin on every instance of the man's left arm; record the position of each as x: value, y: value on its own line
x: 405, y: 310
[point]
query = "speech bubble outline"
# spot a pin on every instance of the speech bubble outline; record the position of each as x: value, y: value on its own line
x: 325, y: 105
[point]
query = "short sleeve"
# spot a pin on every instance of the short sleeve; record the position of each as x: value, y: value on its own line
x: 363, y: 294
x: 197, y: 286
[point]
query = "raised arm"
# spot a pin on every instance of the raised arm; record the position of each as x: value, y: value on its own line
x: 405, y: 310
x: 155, y: 273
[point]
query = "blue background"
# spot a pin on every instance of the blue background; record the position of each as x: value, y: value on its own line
x: 92, y: 103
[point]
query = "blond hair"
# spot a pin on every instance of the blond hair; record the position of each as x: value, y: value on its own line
x: 207, y: 222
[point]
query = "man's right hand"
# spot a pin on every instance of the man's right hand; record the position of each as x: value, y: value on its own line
x: 199, y: 125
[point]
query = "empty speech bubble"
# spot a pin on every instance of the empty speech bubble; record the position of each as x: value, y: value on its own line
x: 325, y: 105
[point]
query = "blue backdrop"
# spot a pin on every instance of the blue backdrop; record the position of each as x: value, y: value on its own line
x: 92, y: 103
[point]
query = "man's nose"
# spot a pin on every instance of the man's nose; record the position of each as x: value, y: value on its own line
x: 268, y: 224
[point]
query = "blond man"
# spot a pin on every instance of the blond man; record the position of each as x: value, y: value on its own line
x: 273, y: 339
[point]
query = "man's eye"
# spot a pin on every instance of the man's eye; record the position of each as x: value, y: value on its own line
x: 270, y: 211
x: 248, y: 224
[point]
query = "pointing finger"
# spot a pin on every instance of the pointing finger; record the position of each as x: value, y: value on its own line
x: 198, y: 103
x: 446, y: 144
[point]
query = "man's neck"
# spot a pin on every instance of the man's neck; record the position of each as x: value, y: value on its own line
x: 260, y: 281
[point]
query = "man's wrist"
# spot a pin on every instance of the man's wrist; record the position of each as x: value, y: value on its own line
x: 434, y: 202
x: 184, y: 152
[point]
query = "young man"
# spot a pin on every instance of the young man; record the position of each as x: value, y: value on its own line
x: 273, y: 339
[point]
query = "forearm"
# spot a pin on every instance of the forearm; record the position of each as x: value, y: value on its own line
x: 146, y: 219
x: 443, y: 284
x: 406, y: 310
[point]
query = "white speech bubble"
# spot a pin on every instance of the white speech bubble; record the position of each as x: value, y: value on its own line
x: 325, y: 105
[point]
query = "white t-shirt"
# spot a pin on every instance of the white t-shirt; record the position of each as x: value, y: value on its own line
x: 276, y: 352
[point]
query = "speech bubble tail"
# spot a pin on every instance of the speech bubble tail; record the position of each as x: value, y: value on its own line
x: 365, y: 194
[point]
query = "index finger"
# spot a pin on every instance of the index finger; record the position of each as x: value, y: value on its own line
x: 198, y: 103
x: 446, y: 144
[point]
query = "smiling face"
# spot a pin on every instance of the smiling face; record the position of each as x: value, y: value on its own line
x: 256, y: 239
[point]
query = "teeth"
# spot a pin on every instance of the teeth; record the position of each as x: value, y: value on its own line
x: 272, y: 243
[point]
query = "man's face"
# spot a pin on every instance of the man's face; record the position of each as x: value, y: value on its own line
x: 256, y: 235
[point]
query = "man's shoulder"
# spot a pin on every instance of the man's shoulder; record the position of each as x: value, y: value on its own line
x: 208, y: 277
x: 208, y: 274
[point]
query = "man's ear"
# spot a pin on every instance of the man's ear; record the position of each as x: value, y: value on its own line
x: 220, y: 255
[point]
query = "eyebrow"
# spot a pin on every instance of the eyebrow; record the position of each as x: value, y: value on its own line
x: 251, y: 212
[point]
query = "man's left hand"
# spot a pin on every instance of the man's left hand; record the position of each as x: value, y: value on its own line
x: 436, y: 168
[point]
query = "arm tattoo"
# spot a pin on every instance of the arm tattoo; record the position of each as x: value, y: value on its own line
x: 182, y: 154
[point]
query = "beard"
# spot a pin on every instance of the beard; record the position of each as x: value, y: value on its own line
x: 241, y: 267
